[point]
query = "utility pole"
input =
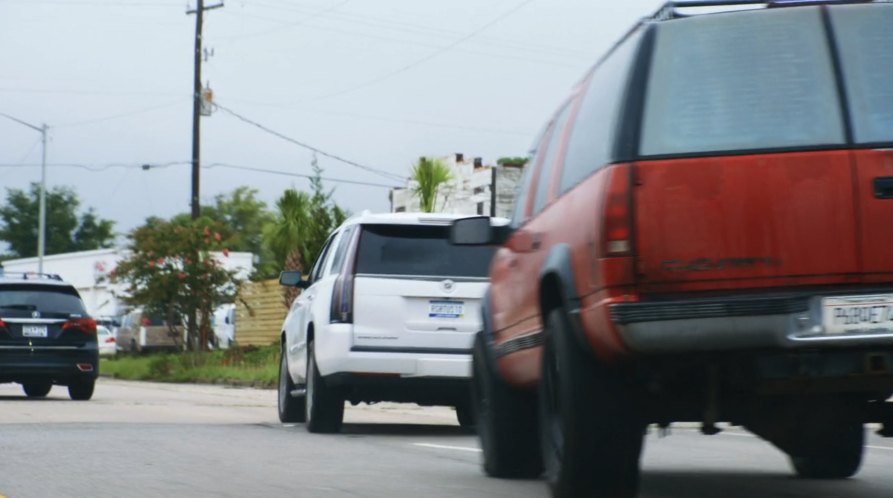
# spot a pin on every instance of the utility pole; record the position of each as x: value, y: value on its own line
x: 493, y: 196
x: 193, y: 333
x: 42, y: 203
x: 42, y: 210
x: 197, y: 103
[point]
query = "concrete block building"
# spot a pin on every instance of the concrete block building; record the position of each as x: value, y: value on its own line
x: 475, y: 188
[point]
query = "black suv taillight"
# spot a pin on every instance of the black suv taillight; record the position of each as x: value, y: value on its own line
x: 342, y: 299
x: 85, y: 325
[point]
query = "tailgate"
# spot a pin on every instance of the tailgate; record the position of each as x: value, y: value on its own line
x: 746, y: 221
x: 875, y: 177
x: 416, y: 314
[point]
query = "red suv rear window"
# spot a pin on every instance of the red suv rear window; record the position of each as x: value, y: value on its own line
x: 742, y: 81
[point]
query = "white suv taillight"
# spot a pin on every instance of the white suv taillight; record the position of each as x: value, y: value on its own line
x: 342, y: 299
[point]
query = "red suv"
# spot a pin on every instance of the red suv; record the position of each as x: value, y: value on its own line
x: 702, y: 235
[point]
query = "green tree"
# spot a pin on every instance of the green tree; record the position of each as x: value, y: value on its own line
x: 301, y: 225
x: 65, y: 230
x: 242, y: 217
x: 429, y: 175
x: 170, y: 271
x: 513, y: 161
x: 288, y: 235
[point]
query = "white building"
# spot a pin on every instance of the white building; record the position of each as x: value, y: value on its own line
x: 472, y: 190
x: 86, y: 271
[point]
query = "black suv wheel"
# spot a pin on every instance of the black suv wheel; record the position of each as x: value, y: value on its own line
x: 37, y: 388
x: 81, y: 390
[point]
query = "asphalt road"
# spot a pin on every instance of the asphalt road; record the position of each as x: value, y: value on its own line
x: 145, y: 439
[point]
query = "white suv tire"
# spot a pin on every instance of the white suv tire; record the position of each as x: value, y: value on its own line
x: 324, y: 406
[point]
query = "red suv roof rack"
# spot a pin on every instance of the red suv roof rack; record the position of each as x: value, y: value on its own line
x: 669, y: 9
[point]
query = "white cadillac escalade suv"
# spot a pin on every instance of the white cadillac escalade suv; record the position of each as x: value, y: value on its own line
x: 387, y: 313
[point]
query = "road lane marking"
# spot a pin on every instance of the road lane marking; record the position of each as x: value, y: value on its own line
x: 886, y: 448
x: 445, y: 447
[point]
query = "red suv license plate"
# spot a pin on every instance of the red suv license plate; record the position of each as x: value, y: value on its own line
x: 858, y: 314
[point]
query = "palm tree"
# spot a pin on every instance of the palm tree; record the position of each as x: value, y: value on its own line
x: 429, y: 175
x: 288, y: 234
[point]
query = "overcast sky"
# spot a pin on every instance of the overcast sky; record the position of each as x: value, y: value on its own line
x: 378, y: 82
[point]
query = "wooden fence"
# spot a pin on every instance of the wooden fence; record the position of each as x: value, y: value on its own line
x: 259, y: 313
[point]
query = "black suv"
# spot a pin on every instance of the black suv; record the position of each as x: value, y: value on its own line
x: 46, y: 336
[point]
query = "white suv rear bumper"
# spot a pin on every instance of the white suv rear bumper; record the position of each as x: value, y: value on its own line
x: 334, y: 355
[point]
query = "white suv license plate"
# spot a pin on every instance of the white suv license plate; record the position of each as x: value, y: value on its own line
x: 34, y: 331
x: 446, y: 309
x: 858, y: 315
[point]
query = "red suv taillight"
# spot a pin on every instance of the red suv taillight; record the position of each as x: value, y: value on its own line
x: 2, y: 324
x: 617, y: 229
x: 85, y: 325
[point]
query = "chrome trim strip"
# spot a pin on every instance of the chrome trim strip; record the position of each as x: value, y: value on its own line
x: 520, y: 343
x: 424, y: 278
x: 41, y: 321
x: 629, y: 313
x: 40, y: 348
x: 411, y: 350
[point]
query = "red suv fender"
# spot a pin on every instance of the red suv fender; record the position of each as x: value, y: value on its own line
x: 557, y: 289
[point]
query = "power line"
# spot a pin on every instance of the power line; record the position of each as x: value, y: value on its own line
x: 428, y: 57
x: 96, y: 167
x: 145, y: 166
x: 321, y: 152
x: 114, y: 3
x: 104, y: 93
x: 30, y: 149
x: 390, y: 39
x: 300, y: 175
x: 404, y: 41
x: 434, y: 124
x: 120, y: 115
x: 413, y: 28
x: 318, y: 13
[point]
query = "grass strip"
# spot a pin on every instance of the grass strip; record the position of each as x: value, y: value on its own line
x: 249, y: 366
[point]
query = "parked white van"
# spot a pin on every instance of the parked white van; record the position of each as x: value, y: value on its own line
x: 224, y: 323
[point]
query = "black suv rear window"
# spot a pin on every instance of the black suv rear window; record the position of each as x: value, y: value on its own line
x: 864, y: 36
x: 742, y: 81
x: 419, y: 250
x: 41, y: 298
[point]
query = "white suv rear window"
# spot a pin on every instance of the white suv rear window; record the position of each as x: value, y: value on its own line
x: 419, y: 250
